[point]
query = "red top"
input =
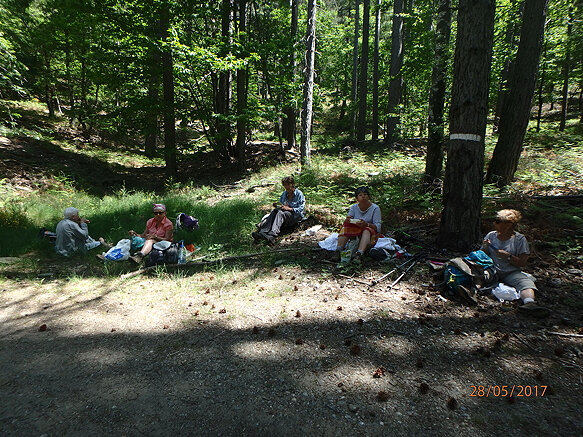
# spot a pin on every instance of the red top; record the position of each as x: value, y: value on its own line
x: 159, y: 228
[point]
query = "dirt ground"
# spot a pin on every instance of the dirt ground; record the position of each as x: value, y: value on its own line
x: 272, y: 349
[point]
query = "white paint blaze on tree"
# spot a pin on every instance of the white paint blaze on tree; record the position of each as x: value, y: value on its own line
x: 462, y: 188
x: 308, y: 84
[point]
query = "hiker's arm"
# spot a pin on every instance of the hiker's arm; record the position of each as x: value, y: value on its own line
x: 168, y: 234
x: 517, y: 261
x: 80, y: 231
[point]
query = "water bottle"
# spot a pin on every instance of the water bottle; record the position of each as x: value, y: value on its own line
x: 181, y: 253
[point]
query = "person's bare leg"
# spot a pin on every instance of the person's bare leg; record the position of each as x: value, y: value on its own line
x: 364, y: 241
x: 527, y: 293
x: 147, y: 247
x: 341, y: 242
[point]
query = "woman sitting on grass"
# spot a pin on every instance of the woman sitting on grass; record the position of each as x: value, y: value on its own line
x: 288, y: 213
x: 509, y: 251
x: 363, y: 220
x: 158, y: 228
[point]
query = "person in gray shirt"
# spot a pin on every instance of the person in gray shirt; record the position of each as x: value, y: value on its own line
x: 509, y: 250
x: 73, y: 234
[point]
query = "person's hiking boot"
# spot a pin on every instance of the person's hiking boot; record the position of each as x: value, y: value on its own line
x: 357, y: 258
x: 256, y: 237
x: 269, y: 239
x: 137, y: 258
x: 333, y: 255
x: 534, y: 310
x: 467, y: 294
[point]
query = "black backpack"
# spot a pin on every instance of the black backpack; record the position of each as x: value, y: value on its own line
x: 166, y: 256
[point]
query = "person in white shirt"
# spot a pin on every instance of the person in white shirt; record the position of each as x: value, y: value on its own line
x: 363, y: 220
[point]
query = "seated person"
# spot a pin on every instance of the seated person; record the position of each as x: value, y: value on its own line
x: 363, y: 220
x: 158, y: 228
x: 73, y: 234
x: 509, y: 251
x: 288, y: 213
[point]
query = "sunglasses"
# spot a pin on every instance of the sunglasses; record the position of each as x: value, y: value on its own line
x: 158, y: 212
x: 498, y: 221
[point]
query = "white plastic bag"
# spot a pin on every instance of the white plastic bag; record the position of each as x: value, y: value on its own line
x: 119, y: 252
x: 505, y: 292
x: 330, y: 242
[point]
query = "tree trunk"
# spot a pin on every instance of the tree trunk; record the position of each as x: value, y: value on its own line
x: 363, y: 85
x: 354, y: 95
x: 223, y: 94
x: 565, y: 73
x: 168, y: 90
x: 512, y: 29
x: 152, y: 111
x: 375, y: 74
x: 436, y: 141
x: 242, y: 93
x: 308, y: 84
x: 396, y: 78
x: 541, y: 83
x: 518, y: 102
x: 290, y: 110
x: 462, y: 196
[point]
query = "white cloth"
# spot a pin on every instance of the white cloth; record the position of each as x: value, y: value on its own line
x: 330, y: 243
x: 387, y: 243
x: 505, y: 292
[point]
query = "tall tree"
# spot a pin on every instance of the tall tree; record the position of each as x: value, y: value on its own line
x: 223, y: 92
x: 395, y: 74
x: 168, y: 91
x: 308, y: 84
x: 375, y: 73
x: 242, y: 92
x: 510, y: 21
x: 436, y: 140
x: 152, y: 72
x: 462, y: 190
x: 363, y: 85
x: 566, y: 69
x: 354, y: 95
x: 290, y: 109
x: 518, y: 102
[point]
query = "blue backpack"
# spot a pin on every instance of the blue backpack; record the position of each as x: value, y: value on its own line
x: 476, y: 269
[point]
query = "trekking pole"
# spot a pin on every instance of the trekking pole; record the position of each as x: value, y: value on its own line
x: 396, y: 281
x: 376, y: 281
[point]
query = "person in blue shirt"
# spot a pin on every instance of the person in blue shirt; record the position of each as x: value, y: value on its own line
x: 288, y: 212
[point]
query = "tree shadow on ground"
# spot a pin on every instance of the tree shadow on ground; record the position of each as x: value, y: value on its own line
x: 210, y: 378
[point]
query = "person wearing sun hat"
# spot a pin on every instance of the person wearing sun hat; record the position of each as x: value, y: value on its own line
x: 158, y: 228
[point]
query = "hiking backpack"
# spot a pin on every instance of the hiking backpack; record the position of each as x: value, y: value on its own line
x: 475, y: 270
x: 166, y: 256
x: 185, y: 221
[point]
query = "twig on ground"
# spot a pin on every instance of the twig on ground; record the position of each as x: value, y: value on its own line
x: 517, y: 336
x: 564, y: 334
x: 204, y: 263
x: 354, y: 279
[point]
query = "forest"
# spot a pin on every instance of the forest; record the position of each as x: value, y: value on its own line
x: 447, y: 111
x: 178, y: 78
